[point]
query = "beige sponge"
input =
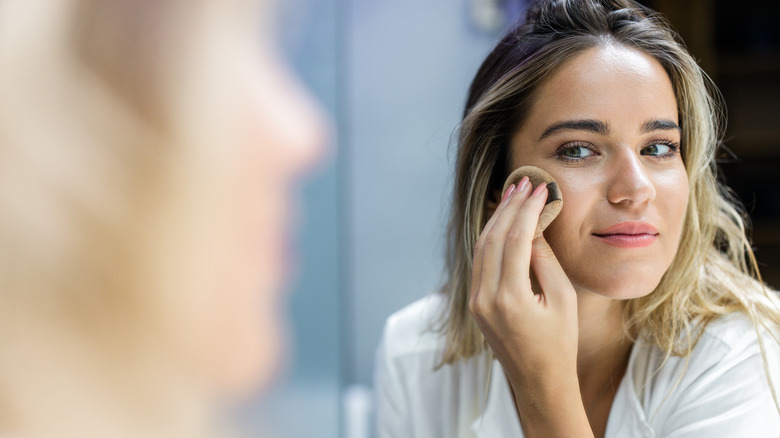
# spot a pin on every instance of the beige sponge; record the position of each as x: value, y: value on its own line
x: 554, y: 198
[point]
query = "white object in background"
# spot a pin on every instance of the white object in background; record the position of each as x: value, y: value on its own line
x: 358, y: 409
x: 488, y: 15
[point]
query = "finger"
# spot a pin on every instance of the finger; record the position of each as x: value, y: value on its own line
x: 517, y: 249
x: 554, y: 283
x: 501, y: 206
x: 476, y: 267
x: 479, y: 248
x: 495, y: 238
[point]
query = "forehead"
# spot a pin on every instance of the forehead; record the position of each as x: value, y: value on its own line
x: 614, y: 84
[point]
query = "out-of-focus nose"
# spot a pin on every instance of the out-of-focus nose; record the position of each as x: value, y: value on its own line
x: 630, y: 183
x: 302, y: 131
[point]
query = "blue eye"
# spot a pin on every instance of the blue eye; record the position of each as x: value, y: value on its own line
x: 574, y: 152
x: 657, y: 149
x: 661, y: 149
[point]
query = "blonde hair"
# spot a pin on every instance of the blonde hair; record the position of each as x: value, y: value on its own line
x: 108, y: 114
x: 714, y: 272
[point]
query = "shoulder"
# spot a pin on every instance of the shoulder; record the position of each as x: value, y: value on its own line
x: 727, y: 343
x: 412, y: 330
x: 731, y: 340
x: 414, y: 394
x: 724, y: 377
x: 730, y: 331
x: 736, y: 342
x: 412, y: 348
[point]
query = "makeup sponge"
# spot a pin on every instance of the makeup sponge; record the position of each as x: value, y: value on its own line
x: 554, y: 198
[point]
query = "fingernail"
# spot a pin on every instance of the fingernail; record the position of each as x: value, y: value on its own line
x: 523, y: 184
x: 508, y: 192
x: 539, y: 190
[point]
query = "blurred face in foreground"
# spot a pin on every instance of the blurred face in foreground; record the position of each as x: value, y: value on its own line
x: 150, y: 153
x: 273, y: 134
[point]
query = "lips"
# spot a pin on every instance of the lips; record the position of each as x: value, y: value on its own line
x: 628, y: 235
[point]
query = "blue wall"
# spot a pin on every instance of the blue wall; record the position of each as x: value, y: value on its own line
x: 410, y: 63
x: 393, y: 74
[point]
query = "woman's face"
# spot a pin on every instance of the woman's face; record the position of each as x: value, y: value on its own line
x: 605, y: 127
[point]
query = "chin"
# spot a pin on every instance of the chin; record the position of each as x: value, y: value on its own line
x: 252, y: 342
x: 250, y: 368
x: 623, y: 285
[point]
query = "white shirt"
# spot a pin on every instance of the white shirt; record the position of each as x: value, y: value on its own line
x: 723, y: 393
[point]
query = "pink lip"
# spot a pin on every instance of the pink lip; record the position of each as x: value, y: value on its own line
x: 628, y: 235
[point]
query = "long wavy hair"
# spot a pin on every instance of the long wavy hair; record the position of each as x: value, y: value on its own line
x: 714, y: 271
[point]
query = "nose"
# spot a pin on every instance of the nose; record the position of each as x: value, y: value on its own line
x: 630, y: 183
x: 301, y: 128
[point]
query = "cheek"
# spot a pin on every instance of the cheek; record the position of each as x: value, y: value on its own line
x: 580, y: 196
x: 672, y: 196
x: 246, y: 339
x: 672, y: 199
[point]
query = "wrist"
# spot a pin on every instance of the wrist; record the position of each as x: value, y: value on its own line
x: 551, y: 407
x: 545, y: 380
x: 541, y: 393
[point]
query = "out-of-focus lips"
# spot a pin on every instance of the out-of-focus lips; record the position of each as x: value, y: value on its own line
x: 628, y: 235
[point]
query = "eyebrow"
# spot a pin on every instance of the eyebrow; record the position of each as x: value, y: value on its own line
x: 594, y: 126
x: 599, y: 127
x: 659, y: 125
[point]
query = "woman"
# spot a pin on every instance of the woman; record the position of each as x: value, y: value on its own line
x: 639, y: 312
x: 147, y: 155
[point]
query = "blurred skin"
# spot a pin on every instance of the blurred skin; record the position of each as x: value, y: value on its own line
x: 624, y: 175
x: 180, y: 308
x: 280, y: 134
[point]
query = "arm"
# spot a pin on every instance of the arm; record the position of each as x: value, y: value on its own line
x: 533, y: 336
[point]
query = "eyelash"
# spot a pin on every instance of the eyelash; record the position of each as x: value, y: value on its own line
x: 674, y: 148
x: 559, y: 153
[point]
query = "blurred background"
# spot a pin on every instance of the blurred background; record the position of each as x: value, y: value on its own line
x: 393, y: 75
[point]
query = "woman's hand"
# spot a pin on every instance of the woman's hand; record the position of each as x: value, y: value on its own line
x: 534, y: 336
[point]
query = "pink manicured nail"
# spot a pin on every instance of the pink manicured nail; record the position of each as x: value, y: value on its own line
x: 523, y: 184
x: 508, y: 192
x: 539, y: 190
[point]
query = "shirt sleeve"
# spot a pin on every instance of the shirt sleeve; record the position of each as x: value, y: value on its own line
x: 727, y: 397
x: 392, y: 416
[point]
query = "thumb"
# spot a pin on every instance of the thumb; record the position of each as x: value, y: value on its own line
x: 553, y: 281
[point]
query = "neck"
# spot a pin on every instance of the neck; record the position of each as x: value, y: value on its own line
x: 603, y: 346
